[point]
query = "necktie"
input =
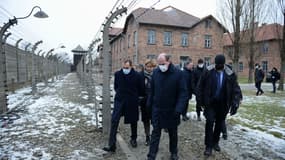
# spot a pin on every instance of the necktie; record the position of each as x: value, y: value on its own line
x: 219, y: 78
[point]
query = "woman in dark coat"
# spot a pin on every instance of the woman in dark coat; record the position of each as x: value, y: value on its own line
x: 146, y: 74
x: 128, y: 87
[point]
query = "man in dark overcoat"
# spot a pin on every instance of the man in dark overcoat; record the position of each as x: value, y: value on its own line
x: 258, y: 78
x: 128, y: 87
x: 188, y: 76
x: 219, y: 92
x: 168, y: 97
x: 196, y: 76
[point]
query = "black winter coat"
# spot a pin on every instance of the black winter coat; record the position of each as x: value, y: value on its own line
x: 168, y: 97
x: 188, y: 75
x: 258, y: 75
x: 196, y: 76
x: 128, y: 89
x: 206, y: 91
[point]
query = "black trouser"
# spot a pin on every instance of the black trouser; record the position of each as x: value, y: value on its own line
x: 155, y: 138
x: 113, y: 132
x: 184, y: 112
x: 224, y: 127
x: 198, y: 109
x: 274, y: 86
x: 215, y: 116
x: 258, y: 86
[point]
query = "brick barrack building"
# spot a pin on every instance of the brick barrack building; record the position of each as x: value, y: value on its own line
x: 148, y: 32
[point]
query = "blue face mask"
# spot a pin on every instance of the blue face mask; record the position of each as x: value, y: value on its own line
x: 126, y: 71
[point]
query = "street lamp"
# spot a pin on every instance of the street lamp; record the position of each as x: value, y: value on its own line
x: 3, y: 78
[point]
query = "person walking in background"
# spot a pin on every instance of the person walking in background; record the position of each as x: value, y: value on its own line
x: 196, y: 76
x: 128, y: 88
x: 146, y: 74
x: 167, y: 100
x: 188, y: 73
x: 219, y: 92
x: 258, y: 77
x: 275, y: 76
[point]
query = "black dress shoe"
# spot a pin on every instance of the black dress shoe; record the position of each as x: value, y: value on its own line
x: 208, y: 151
x: 133, y: 143
x: 174, y: 157
x: 110, y: 149
x: 225, y: 136
x: 217, y: 147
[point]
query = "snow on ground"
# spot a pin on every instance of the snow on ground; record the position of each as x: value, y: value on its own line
x: 42, y: 116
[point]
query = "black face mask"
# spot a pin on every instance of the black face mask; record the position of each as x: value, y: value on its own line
x: 219, y: 66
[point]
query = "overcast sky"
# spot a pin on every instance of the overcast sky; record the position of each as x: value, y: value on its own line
x: 73, y: 22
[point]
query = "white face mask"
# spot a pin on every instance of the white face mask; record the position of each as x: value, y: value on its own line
x: 201, y: 65
x: 126, y: 71
x: 163, y: 67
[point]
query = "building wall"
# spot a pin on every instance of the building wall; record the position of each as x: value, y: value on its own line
x: 272, y: 56
x: 194, y: 50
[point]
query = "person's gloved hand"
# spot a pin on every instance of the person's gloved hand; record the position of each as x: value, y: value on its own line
x: 234, y: 109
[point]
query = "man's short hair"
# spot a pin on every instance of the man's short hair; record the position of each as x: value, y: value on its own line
x: 128, y: 61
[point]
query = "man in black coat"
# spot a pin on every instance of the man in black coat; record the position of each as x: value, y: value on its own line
x: 258, y: 77
x: 188, y: 73
x: 196, y: 76
x: 128, y: 87
x: 167, y: 100
x: 219, y: 92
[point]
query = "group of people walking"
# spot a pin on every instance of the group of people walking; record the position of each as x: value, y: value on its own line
x: 259, y: 77
x: 163, y: 92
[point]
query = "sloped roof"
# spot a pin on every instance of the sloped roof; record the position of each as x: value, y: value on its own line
x: 262, y: 33
x: 169, y: 16
x: 209, y: 17
x: 79, y: 50
x: 115, y: 31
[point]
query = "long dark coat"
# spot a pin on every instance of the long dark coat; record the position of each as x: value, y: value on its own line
x: 207, y: 87
x: 168, y: 97
x: 128, y: 89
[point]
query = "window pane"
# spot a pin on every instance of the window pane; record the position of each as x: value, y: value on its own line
x: 208, y: 41
x: 151, y: 37
x: 265, y: 47
x: 167, y: 38
x: 265, y: 66
x: 184, y: 39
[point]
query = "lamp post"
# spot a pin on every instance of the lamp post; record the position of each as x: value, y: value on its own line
x: 3, y: 80
x: 17, y: 60
x: 34, y: 69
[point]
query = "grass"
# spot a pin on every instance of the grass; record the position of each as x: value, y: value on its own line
x: 259, y: 115
x: 263, y: 115
x: 242, y: 80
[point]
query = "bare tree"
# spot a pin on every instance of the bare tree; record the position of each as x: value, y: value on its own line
x: 281, y: 4
x: 231, y: 15
x: 257, y: 11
